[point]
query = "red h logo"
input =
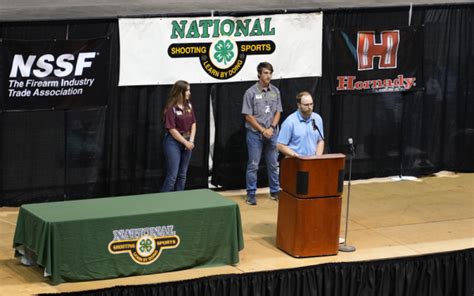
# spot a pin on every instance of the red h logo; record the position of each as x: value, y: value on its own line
x: 387, y: 50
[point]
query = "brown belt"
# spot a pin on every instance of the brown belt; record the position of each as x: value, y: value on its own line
x: 186, y: 134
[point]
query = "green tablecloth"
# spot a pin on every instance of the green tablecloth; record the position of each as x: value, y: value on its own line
x: 130, y: 235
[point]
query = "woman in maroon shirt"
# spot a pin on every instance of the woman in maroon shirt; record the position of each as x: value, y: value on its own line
x: 180, y: 124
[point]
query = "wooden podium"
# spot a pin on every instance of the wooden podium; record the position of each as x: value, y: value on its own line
x: 309, y: 209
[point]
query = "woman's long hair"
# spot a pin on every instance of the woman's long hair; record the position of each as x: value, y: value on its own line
x: 177, y: 96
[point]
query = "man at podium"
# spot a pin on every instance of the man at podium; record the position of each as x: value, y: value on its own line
x: 301, y: 133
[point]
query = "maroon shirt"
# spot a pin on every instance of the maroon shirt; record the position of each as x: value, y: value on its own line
x: 179, y: 119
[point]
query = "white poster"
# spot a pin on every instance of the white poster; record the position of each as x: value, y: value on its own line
x: 218, y: 49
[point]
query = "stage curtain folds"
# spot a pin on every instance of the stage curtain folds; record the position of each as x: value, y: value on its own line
x: 429, y: 275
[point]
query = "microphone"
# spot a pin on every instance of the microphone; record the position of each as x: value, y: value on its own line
x: 315, y: 127
x: 351, y: 146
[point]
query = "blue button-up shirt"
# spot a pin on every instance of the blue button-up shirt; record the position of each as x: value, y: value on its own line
x: 301, y: 135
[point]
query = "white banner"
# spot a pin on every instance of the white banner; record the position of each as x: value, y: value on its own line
x: 218, y: 49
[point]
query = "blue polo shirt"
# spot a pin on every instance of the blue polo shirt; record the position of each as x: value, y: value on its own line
x: 299, y: 134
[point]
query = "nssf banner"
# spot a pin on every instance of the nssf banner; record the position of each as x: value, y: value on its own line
x: 218, y: 49
x: 63, y: 74
x: 374, y: 61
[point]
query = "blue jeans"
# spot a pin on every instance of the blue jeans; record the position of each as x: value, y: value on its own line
x: 177, y: 161
x: 256, y: 143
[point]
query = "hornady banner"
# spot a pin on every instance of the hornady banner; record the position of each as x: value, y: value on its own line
x: 373, y: 61
x: 218, y: 49
x: 53, y: 74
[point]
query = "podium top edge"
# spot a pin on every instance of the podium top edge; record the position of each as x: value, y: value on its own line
x: 324, y: 156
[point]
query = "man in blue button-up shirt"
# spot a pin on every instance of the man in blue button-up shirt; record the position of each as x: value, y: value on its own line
x: 302, y: 132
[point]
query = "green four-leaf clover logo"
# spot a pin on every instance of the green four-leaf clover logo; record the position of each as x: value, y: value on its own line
x: 224, y: 51
x: 145, y: 245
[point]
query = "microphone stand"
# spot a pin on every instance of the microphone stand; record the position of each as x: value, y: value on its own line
x: 344, y: 247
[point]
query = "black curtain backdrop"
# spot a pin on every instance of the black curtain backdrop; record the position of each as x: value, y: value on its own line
x: 230, y: 148
x: 419, y: 132
x: 116, y: 149
x: 409, y: 133
x: 431, y: 275
x: 52, y: 155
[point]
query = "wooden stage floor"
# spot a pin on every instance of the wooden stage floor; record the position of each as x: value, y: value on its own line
x: 387, y: 219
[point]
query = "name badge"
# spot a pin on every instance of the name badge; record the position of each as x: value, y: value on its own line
x: 258, y: 97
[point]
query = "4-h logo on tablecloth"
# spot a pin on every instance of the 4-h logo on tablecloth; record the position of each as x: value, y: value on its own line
x: 144, y: 245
